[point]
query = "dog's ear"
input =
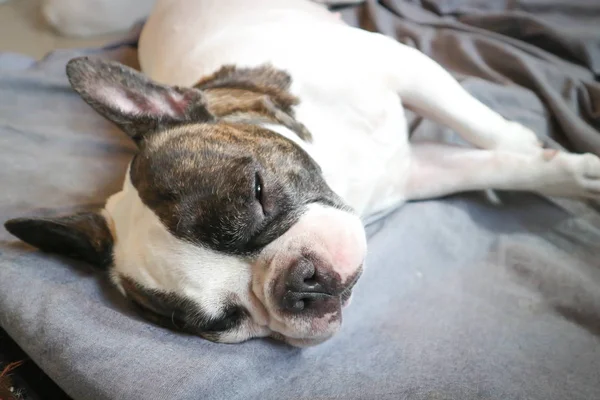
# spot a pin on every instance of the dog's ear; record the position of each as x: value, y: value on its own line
x: 136, y: 104
x: 84, y: 236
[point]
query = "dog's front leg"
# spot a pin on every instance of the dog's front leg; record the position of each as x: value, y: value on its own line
x: 441, y: 169
x: 432, y: 92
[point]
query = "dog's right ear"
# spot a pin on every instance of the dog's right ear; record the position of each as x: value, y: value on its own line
x: 85, y: 236
x: 136, y: 104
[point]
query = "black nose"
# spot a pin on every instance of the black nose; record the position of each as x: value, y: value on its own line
x: 306, y: 287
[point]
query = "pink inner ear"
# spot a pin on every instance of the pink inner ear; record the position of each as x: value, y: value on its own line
x: 177, y: 102
x: 118, y: 98
x: 156, y: 103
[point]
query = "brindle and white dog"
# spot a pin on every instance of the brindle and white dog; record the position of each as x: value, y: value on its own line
x: 265, y: 133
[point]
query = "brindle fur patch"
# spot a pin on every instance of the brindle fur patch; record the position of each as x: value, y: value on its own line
x: 253, y: 95
x: 200, y: 181
x: 200, y: 178
x: 176, y: 312
x: 264, y: 80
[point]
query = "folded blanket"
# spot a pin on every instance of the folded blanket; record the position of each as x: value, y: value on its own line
x: 461, y: 299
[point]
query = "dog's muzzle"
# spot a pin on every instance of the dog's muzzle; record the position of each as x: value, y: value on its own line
x: 310, y: 274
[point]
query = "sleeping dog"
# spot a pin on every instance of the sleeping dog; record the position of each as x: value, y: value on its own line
x: 265, y: 135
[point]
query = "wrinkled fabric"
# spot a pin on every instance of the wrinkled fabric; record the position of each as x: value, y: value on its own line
x: 461, y: 299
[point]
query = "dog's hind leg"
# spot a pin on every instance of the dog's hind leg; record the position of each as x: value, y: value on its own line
x: 441, y: 169
x: 425, y: 87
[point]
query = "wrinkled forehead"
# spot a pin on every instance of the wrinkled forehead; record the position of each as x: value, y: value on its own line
x: 215, y: 144
x: 222, y: 159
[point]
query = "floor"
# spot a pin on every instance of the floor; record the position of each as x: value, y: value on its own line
x: 23, y: 30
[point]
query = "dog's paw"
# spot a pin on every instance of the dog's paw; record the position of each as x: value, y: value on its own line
x: 578, y: 174
x: 588, y: 174
x: 517, y: 138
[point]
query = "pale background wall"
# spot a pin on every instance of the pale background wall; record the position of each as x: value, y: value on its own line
x: 23, y: 30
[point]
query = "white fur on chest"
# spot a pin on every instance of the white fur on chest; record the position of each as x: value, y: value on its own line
x: 357, y: 121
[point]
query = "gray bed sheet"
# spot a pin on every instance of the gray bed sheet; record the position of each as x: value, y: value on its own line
x: 461, y: 299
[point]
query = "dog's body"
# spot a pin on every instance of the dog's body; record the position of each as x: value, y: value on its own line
x: 351, y: 105
x: 283, y: 105
x: 356, y: 119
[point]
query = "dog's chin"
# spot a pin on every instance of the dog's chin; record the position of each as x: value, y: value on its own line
x: 328, y: 330
x: 302, y: 343
x: 307, y: 330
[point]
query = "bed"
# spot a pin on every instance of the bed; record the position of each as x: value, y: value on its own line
x: 466, y: 297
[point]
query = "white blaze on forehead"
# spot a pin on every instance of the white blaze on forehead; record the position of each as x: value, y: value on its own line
x: 149, y: 254
x: 288, y: 134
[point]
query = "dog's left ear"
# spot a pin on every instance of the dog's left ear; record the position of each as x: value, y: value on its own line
x: 131, y: 100
x: 84, y: 236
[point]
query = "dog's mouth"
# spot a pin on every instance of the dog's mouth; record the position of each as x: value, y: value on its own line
x: 309, y: 327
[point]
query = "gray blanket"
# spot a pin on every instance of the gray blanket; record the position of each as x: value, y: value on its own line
x: 461, y: 299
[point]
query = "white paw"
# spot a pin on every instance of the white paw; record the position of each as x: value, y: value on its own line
x: 516, y: 138
x: 588, y: 174
x: 579, y: 174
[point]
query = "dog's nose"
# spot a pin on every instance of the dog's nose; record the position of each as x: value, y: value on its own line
x: 306, y: 287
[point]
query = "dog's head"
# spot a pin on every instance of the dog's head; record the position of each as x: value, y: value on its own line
x: 223, y: 228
